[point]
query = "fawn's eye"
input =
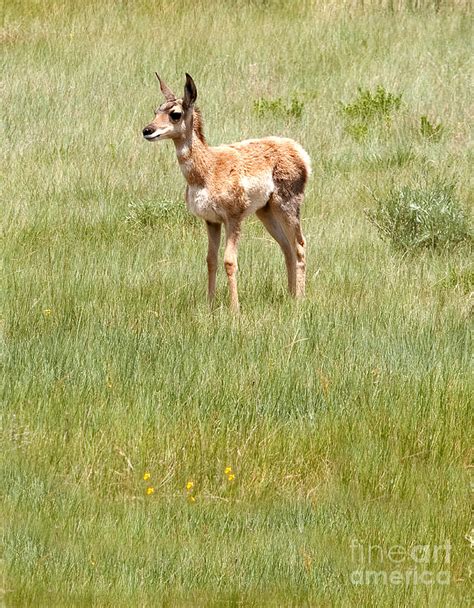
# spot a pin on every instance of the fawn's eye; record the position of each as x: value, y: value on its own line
x: 175, y: 116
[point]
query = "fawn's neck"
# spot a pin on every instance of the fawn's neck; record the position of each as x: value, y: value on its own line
x: 194, y: 155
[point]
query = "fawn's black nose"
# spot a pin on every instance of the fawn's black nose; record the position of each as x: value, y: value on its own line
x: 147, y: 131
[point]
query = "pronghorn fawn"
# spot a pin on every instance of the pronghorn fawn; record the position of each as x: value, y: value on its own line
x: 227, y: 183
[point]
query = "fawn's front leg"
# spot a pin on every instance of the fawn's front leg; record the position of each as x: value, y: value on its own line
x: 214, y: 240
x: 232, y: 233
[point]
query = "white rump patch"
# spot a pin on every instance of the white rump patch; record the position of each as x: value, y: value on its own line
x: 304, y: 156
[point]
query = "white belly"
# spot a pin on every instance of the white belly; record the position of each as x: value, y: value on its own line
x: 198, y: 203
x: 258, y: 189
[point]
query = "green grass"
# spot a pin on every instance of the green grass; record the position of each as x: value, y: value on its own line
x: 343, y: 417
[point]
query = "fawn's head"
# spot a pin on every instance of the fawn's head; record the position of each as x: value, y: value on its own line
x: 172, y: 118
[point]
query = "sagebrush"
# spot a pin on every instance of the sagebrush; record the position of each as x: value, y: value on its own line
x: 429, y: 216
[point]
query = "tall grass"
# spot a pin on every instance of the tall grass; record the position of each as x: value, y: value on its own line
x: 344, y: 417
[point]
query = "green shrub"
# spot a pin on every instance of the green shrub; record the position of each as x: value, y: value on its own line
x: 429, y: 130
x: 367, y: 109
x: 358, y: 131
x: 264, y: 106
x: 461, y: 278
x: 412, y: 218
x: 368, y: 106
x: 276, y: 107
x: 295, y: 108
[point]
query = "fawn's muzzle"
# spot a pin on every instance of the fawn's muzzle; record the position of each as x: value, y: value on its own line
x: 148, y: 131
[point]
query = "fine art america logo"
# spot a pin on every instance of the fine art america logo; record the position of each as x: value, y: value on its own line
x: 398, y: 565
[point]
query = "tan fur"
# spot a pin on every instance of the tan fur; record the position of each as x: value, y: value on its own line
x: 227, y: 183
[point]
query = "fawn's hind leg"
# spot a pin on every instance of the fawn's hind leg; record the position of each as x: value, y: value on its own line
x: 287, y: 214
x: 268, y: 218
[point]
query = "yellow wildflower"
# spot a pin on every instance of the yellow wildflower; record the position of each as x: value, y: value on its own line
x: 231, y: 477
x: 146, y: 476
x: 228, y: 470
x: 150, y: 490
x: 192, y: 499
x: 47, y: 312
x: 189, y: 485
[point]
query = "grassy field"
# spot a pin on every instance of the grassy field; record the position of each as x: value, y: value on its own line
x: 344, y: 419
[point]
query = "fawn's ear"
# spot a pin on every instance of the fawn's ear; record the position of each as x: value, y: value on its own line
x: 167, y: 92
x: 190, y: 92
